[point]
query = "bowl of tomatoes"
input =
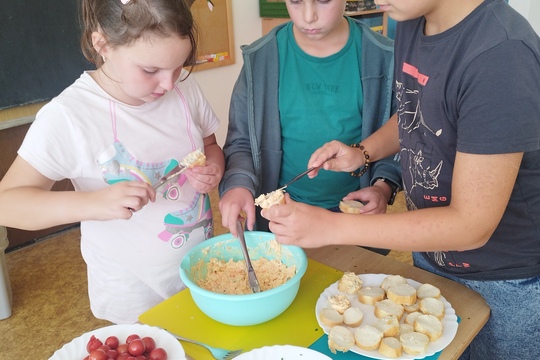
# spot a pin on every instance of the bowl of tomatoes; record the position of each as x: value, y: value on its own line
x: 121, y: 342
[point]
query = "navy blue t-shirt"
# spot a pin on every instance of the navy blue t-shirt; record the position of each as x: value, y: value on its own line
x: 474, y: 88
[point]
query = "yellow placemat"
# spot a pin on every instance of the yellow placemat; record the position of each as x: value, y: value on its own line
x: 296, y: 326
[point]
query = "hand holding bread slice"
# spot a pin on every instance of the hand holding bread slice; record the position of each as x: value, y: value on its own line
x: 194, y: 158
x: 350, y: 206
x: 265, y: 201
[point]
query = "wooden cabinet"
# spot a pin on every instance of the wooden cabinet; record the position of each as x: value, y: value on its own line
x: 14, y: 124
x: 269, y: 23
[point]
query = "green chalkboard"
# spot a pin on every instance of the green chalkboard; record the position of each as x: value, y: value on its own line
x: 39, y: 49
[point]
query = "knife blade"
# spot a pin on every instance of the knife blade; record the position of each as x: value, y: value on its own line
x: 174, y: 173
x: 252, y: 278
x: 301, y: 175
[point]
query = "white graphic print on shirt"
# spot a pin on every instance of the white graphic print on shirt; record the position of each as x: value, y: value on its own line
x: 117, y: 164
x: 422, y: 173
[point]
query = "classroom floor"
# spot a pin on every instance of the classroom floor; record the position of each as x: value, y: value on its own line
x: 50, y: 304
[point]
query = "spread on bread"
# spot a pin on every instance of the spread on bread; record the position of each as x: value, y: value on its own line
x: 273, y: 198
x: 407, y: 318
x: 339, y: 302
x: 349, y: 283
x: 194, y: 158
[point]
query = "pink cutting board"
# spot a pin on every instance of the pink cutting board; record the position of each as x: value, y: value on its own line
x: 295, y: 326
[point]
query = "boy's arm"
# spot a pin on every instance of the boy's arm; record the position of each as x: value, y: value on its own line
x: 381, y: 144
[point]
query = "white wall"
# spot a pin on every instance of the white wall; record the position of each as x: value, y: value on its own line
x: 217, y: 83
x: 530, y: 9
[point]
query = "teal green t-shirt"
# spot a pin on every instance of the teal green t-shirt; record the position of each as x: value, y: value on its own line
x: 320, y: 99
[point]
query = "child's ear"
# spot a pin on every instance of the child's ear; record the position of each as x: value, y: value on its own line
x: 99, y: 41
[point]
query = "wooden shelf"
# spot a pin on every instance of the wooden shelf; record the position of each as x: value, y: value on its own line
x: 363, y: 12
x: 382, y: 28
x: 19, y: 115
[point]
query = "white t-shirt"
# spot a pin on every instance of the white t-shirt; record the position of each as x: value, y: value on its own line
x: 87, y: 136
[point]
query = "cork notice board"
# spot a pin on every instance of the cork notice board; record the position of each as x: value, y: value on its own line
x: 216, y: 36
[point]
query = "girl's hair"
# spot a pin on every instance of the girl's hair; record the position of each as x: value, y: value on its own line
x: 125, y: 24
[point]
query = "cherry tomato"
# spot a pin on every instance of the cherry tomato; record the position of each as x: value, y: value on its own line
x: 112, y: 342
x: 105, y: 348
x: 97, y: 355
x: 136, y: 347
x: 93, y: 344
x: 158, y: 354
x: 122, y: 349
x: 112, y: 354
x: 150, y: 343
x: 132, y: 337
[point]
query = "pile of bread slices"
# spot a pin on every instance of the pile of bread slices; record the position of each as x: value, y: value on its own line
x: 407, y: 319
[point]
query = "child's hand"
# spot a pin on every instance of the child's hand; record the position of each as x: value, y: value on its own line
x: 232, y: 203
x: 204, y: 178
x: 120, y: 200
x: 347, y: 158
x: 299, y: 224
x: 374, y: 198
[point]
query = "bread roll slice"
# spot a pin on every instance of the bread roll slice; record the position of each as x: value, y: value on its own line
x: 405, y: 328
x: 340, y: 339
x: 265, y: 201
x: 349, y: 283
x: 368, y: 337
x: 403, y: 294
x: 409, y: 319
x: 353, y: 317
x: 389, y: 325
x: 350, y: 206
x: 414, y: 343
x: 429, y: 325
x: 432, y: 306
x: 390, y: 347
x: 412, y: 307
x: 388, y: 307
x: 330, y: 317
x: 428, y: 290
x: 194, y: 158
x: 369, y: 295
x: 339, y: 302
x: 392, y: 280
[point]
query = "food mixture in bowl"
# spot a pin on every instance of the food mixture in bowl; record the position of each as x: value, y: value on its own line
x: 230, y: 277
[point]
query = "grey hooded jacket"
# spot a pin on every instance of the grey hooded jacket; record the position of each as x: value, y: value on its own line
x: 253, y: 145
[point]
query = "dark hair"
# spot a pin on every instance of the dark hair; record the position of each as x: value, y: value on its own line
x: 125, y: 24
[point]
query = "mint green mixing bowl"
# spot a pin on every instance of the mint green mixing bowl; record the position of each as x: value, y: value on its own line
x: 248, y: 309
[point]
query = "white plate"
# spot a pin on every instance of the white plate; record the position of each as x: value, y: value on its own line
x: 449, y: 321
x: 76, y: 349
x: 282, y: 352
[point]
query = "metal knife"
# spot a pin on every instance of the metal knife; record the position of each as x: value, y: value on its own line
x: 252, y: 278
x: 297, y: 177
x: 174, y: 173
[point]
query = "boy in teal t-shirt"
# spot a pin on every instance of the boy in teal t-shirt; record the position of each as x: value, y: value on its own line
x: 321, y: 77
